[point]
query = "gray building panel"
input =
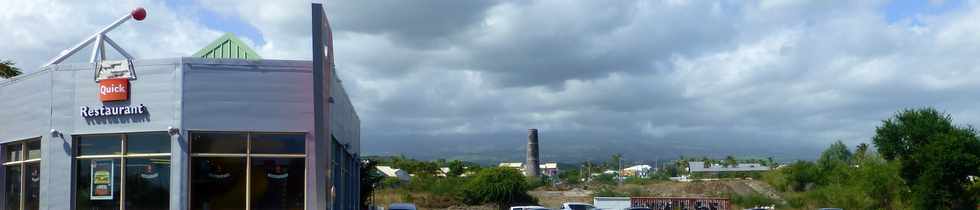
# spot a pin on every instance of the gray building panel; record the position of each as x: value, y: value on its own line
x: 26, y: 105
x: 344, y: 122
x: 238, y: 95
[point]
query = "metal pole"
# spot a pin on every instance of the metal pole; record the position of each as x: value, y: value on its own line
x: 97, y: 48
x: 71, y: 51
x: 116, y: 46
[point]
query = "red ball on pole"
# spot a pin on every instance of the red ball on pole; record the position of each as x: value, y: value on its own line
x: 139, y: 13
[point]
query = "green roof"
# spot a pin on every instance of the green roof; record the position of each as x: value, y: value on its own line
x: 228, y: 46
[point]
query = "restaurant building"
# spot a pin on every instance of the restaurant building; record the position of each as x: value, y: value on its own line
x: 224, y: 129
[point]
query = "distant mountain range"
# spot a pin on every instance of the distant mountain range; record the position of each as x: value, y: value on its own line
x: 569, y: 151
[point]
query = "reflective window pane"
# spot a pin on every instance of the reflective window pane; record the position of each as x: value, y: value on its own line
x: 99, y: 145
x: 278, y: 144
x: 217, y: 183
x: 33, y: 188
x: 12, y: 152
x: 34, y: 149
x: 12, y: 187
x: 277, y: 183
x: 143, y: 143
x: 148, y: 183
x: 97, y: 184
x: 218, y: 143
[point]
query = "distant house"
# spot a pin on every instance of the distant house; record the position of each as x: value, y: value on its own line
x: 394, y: 173
x: 699, y: 167
x: 612, y: 172
x: 637, y: 170
x: 443, y: 171
x: 547, y: 169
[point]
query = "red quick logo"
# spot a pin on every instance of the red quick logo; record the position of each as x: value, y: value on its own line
x: 114, y: 90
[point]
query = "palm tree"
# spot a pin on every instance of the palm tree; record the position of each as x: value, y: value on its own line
x: 7, y: 69
x: 730, y: 161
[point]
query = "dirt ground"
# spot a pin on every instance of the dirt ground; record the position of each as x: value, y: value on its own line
x: 554, y: 198
x: 721, y: 188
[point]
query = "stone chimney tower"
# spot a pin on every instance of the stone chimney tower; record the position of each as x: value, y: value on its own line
x: 531, y: 167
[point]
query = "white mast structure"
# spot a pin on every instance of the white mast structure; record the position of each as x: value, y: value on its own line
x: 100, y: 38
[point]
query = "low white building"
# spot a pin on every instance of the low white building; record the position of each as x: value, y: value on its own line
x: 394, y: 173
x: 699, y: 167
x: 547, y: 169
x: 637, y: 170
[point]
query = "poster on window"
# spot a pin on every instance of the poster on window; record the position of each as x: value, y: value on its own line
x: 102, y: 176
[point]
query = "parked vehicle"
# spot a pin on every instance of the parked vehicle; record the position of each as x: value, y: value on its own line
x: 577, y: 206
x: 611, y: 203
x: 528, y: 208
x: 402, y: 206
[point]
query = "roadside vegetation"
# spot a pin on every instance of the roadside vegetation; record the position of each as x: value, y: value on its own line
x: 466, y: 184
x: 923, y: 161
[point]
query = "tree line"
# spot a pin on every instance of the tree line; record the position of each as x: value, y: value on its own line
x: 920, y: 160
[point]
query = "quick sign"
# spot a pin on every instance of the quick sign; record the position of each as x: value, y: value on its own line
x: 114, y: 90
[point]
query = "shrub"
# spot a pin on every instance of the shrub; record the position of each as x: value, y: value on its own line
x: 501, y: 186
x: 752, y: 200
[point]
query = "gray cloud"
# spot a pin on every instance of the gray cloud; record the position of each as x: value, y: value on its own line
x: 660, y: 79
x: 651, y: 79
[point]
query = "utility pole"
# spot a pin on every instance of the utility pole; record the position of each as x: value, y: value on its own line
x: 620, y: 172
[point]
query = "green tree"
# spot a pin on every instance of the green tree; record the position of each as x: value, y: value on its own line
x: 501, y: 186
x: 370, y: 180
x: 936, y: 157
x: 614, y: 161
x: 801, y: 176
x: 8, y: 70
x: 456, y: 168
x: 837, y: 153
x: 730, y: 161
x: 571, y: 177
x: 861, y: 152
x: 880, y: 182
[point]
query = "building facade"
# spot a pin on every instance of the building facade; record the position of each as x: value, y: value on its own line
x: 196, y: 133
x: 181, y: 133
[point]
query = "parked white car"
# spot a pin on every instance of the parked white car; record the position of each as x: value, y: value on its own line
x: 577, y: 206
x: 528, y: 208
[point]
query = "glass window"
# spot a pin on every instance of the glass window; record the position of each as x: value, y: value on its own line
x: 146, y: 178
x: 12, y: 187
x: 97, y: 184
x: 277, y: 183
x: 218, y: 183
x: 33, y: 150
x: 33, y: 188
x: 99, y: 145
x: 146, y: 143
x: 278, y: 144
x: 12, y: 152
x: 218, y: 143
x: 273, y: 181
x: 22, y: 180
x: 148, y: 183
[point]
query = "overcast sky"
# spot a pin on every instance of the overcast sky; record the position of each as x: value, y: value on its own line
x: 685, y: 77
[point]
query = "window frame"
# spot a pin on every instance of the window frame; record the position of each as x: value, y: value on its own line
x: 248, y: 160
x: 22, y: 162
x: 122, y: 156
